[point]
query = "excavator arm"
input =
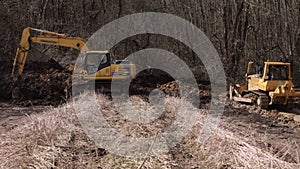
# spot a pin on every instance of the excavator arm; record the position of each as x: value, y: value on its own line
x: 46, y: 37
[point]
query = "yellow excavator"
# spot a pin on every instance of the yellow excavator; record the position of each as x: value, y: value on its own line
x: 98, y: 65
x: 268, y: 84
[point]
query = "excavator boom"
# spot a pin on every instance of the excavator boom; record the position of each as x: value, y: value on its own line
x: 97, y: 65
x: 46, y: 37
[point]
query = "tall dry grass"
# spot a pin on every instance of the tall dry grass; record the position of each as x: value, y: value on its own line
x: 55, y: 139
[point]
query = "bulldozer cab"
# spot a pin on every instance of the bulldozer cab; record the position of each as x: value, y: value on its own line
x: 277, y: 72
x: 268, y: 76
x: 269, y: 70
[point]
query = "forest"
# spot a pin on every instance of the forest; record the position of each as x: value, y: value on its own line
x: 240, y: 30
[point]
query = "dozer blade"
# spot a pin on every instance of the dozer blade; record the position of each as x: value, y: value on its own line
x: 242, y: 99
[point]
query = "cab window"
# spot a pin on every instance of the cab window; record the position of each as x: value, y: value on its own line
x: 92, y: 59
x: 278, y: 72
x: 257, y: 70
x: 95, y: 61
x: 104, y: 59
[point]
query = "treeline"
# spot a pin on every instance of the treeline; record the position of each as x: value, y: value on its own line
x: 241, y: 30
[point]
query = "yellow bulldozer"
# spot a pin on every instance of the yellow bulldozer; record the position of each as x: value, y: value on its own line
x: 98, y: 65
x: 266, y: 85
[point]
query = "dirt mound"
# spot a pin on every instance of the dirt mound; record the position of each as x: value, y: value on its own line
x: 48, y: 83
x: 42, y: 83
x: 148, y: 80
x: 173, y: 89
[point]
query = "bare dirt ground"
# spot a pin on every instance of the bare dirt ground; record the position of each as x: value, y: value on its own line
x: 248, y: 137
x: 280, y: 138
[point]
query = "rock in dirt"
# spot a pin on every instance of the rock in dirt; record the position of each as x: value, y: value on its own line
x: 297, y: 118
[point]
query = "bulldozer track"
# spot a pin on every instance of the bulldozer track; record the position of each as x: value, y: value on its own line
x: 262, y: 100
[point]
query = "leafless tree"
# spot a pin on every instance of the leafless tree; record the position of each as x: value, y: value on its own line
x: 241, y: 30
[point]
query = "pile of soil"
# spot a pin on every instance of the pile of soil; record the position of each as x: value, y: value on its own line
x: 42, y: 83
x: 173, y: 89
x: 147, y: 81
x: 48, y: 83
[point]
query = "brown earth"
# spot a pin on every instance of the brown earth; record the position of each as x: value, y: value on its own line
x: 48, y: 83
x: 42, y: 83
x: 264, y: 129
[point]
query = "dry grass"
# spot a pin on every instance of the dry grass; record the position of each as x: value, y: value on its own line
x: 225, y: 150
x: 38, y: 143
x: 54, y: 139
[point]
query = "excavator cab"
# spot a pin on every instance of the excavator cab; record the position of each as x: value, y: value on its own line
x: 99, y: 66
x: 95, y: 61
x: 269, y: 76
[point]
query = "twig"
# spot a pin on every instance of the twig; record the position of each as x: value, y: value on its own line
x: 147, y: 155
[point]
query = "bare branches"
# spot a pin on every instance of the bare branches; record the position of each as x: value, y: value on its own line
x: 240, y: 29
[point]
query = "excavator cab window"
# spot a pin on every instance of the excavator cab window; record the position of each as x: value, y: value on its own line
x: 277, y: 72
x: 96, y: 61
